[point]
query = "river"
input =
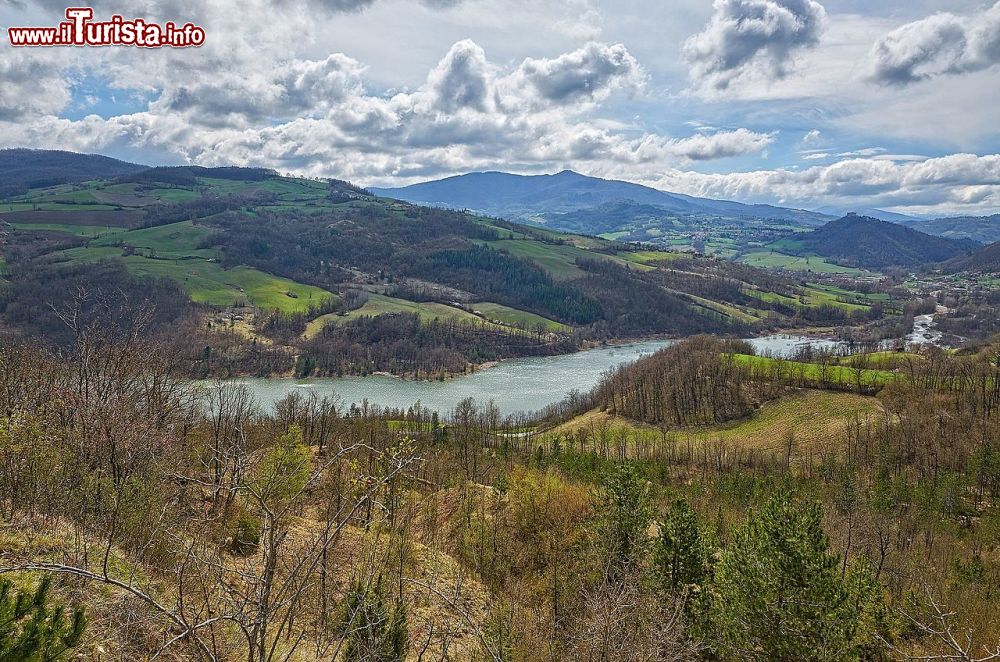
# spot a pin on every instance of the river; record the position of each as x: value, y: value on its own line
x: 516, y: 385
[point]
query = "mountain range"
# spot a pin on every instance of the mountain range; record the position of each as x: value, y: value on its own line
x: 573, y: 202
x: 546, y: 197
x: 986, y: 260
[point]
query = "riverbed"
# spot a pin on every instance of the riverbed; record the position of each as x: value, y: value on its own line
x: 515, y: 385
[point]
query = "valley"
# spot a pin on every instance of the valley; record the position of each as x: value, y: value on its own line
x: 482, y: 436
x: 464, y: 331
x: 289, y: 276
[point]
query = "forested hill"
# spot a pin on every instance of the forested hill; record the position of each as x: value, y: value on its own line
x: 874, y: 244
x: 984, y: 229
x: 985, y: 260
x: 24, y: 169
x: 342, y: 280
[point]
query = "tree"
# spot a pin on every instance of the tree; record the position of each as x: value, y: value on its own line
x: 779, y: 593
x: 32, y: 630
x: 623, y: 506
x: 373, y: 633
x: 680, y: 554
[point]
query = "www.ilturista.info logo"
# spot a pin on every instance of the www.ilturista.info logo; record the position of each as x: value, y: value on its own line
x: 79, y: 29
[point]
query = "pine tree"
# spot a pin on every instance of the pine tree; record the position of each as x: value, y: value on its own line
x: 779, y: 594
x: 32, y: 630
x: 624, y: 507
x: 374, y: 634
x: 680, y: 555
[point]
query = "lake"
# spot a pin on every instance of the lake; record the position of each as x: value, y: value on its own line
x: 516, y: 385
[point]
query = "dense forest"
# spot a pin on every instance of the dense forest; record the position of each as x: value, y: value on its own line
x: 875, y: 244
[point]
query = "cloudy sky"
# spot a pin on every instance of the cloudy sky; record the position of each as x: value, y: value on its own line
x: 811, y: 103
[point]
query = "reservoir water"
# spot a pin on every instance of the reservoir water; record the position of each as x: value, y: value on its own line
x: 517, y: 385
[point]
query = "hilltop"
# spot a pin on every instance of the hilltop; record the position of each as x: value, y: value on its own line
x: 875, y: 244
x: 24, y: 169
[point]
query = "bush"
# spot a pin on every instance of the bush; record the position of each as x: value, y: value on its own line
x: 246, y: 533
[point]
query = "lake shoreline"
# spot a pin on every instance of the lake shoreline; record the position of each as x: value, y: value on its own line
x: 823, y: 334
x: 516, y: 386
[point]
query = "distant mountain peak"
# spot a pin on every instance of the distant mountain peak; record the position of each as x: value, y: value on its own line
x: 533, y: 197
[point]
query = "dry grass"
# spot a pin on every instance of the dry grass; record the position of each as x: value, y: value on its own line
x: 813, y: 418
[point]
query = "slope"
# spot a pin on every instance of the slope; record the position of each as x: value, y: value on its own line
x: 24, y: 169
x: 985, y: 260
x: 874, y: 244
x: 984, y: 229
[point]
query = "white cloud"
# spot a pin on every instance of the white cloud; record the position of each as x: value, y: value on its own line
x: 756, y: 38
x: 938, y: 45
x: 318, y: 118
x: 586, y: 75
x: 718, y: 145
x: 811, y: 138
x: 31, y: 85
x: 955, y: 183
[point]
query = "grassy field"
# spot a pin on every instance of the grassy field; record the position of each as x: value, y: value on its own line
x: 74, y: 215
x: 820, y: 295
x: 774, y: 297
x: 205, y: 280
x: 208, y: 283
x: 175, y: 240
x: 815, y: 295
x: 811, y: 418
x: 649, y: 257
x: 841, y: 375
x: 772, y: 260
x: 173, y: 251
x: 76, y: 230
x: 514, y: 317
x: 379, y: 304
x: 727, y: 309
x: 557, y: 259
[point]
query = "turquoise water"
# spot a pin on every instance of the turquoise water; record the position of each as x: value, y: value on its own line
x: 517, y: 385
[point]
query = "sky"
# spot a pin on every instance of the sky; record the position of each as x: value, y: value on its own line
x: 820, y: 104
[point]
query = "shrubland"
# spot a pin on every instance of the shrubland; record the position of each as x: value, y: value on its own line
x: 198, y: 524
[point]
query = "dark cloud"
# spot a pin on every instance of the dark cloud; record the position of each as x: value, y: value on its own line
x: 938, y: 45
x: 752, y: 36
